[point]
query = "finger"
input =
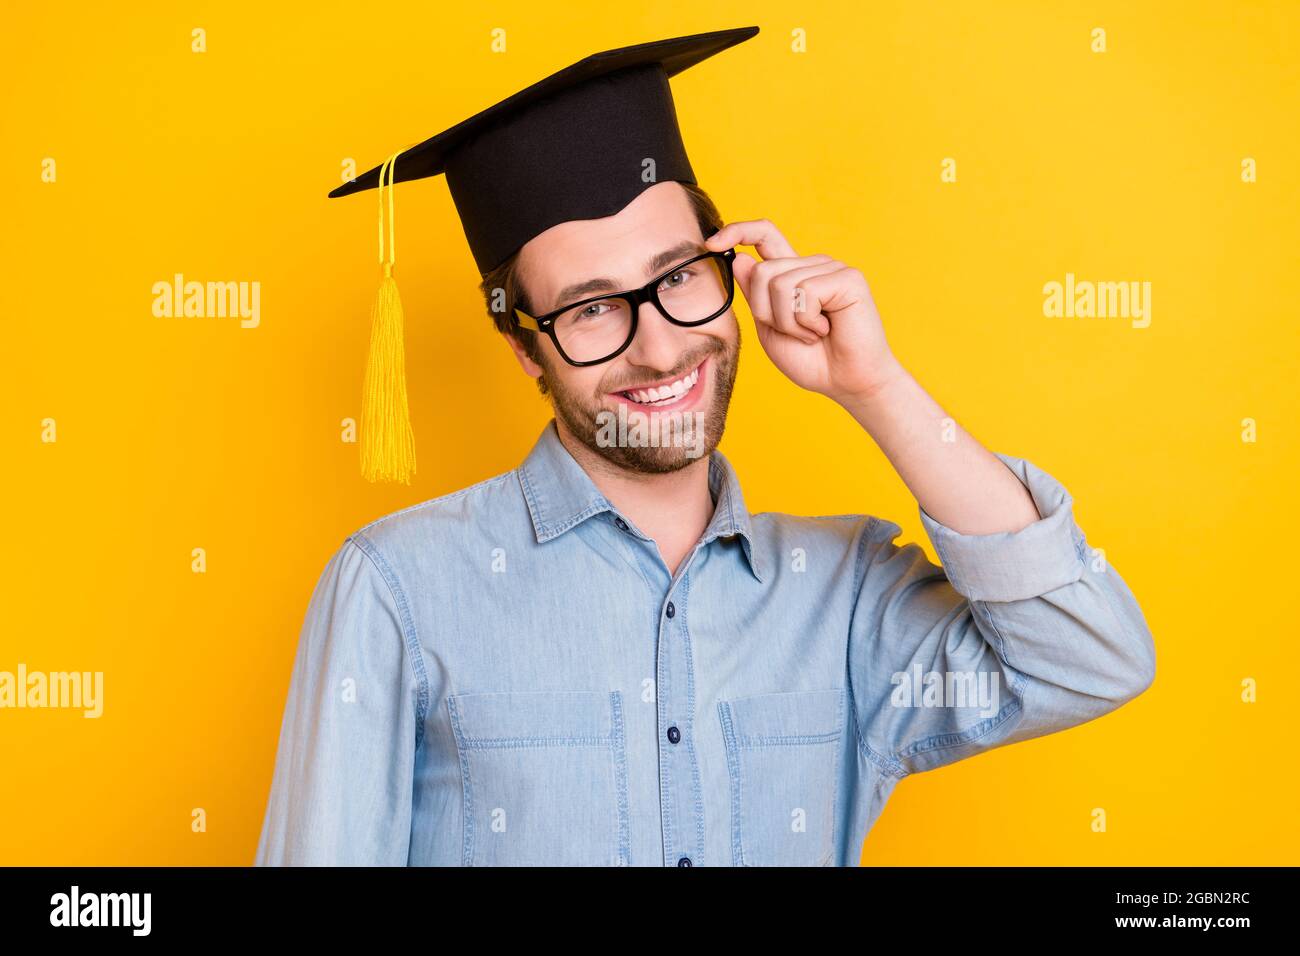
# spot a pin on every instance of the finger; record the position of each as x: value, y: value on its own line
x: 830, y: 292
x: 758, y: 277
x: 793, y: 305
x: 759, y: 233
x: 759, y: 295
x: 781, y: 297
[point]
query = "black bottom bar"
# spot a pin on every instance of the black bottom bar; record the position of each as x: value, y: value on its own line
x: 331, y: 906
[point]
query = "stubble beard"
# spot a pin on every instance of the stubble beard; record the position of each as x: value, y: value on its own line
x: 582, y: 416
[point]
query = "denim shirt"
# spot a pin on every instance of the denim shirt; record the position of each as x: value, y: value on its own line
x: 509, y: 675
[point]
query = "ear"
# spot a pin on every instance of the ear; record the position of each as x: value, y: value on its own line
x: 531, y: 368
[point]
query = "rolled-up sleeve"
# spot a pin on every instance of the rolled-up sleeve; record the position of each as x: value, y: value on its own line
x: 1017, y: 635
x: 342, y: 787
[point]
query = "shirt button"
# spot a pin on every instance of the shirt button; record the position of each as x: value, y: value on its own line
x: 670, y: 610
x: 622, y: 525
x: 674, y: 735
x: 685, y: 861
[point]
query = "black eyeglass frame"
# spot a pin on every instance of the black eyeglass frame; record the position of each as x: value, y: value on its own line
x: 634, y: 298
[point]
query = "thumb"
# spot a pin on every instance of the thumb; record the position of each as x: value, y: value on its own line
x: 742, y: 267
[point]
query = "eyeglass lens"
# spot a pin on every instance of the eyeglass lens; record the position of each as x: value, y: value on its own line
x: 595, y: 330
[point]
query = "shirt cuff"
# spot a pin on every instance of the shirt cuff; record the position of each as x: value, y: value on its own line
x: 1015, y: 565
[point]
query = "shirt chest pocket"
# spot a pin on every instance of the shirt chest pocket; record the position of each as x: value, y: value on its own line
x: 783, y: 760
x: 544, y: 776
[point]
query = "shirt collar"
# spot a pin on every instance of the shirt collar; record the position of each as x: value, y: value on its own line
x: 560, y: 495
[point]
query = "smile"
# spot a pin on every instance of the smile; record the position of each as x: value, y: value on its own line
x: 664, y: 394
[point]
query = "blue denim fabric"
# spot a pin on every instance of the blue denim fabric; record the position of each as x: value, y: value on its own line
x: 509, y: 675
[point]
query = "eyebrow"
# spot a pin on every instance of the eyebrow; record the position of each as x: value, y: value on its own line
x: 571, y: 294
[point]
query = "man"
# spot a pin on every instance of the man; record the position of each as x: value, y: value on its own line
x: 602, y: 657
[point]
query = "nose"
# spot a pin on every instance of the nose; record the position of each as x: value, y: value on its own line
x: 658, y: 344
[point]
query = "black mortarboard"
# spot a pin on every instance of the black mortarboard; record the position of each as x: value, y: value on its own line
x: 576, y: 145
x: 571, y: 146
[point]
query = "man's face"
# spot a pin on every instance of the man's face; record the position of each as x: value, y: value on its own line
x: 650, y: 235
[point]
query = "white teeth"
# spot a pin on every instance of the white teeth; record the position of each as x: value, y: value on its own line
x: 664, y: 394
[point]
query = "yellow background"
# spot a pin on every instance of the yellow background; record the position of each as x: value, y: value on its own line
x: 182, y: 433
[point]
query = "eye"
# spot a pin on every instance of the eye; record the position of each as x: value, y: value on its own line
x: 588, y: 312
x: 676, y: 279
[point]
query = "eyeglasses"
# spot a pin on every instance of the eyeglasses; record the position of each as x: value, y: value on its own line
x: 598, y: 329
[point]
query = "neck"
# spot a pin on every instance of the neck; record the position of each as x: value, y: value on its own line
x: 672, y: 508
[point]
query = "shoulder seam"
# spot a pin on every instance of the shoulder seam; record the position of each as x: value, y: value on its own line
x: 411, y: 643
x: 786, y: 514
x: 450, y: 496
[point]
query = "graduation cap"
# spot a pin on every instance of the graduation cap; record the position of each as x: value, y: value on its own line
x: 579, y: 144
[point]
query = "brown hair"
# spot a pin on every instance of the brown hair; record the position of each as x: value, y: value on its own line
x: 503, y: 289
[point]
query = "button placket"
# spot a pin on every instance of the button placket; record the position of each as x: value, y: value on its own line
x: 679, y: 777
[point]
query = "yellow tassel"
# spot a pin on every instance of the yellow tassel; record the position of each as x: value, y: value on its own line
x: 387, y: 440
